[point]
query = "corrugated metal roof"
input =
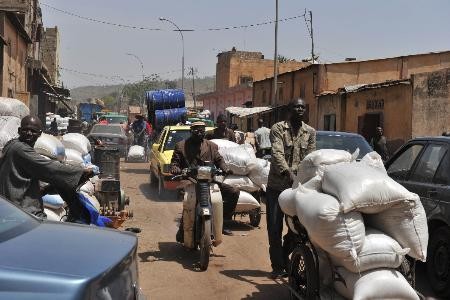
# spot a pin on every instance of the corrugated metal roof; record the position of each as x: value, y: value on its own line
x: 365, y: 86
x: 246, y: 111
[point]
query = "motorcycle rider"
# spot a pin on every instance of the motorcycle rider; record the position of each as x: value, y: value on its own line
x: 192, y: 152
x: 138, y: 127
x: 21, y: 169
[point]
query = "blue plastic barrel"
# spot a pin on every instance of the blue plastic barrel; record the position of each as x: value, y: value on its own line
x: 165, y: 99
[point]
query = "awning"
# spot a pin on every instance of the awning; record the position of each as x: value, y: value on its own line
x: 247, y: 111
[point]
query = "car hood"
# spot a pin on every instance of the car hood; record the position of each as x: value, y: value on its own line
x: 60, y: 248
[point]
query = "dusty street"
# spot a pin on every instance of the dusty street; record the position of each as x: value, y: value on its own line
x: 238, y: 269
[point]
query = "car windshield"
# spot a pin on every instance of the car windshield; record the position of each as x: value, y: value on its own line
x: 13, y: 221
x: 116, y: 119
x: 343, y: 142
x: 174, y: 137
x: 107, y: 129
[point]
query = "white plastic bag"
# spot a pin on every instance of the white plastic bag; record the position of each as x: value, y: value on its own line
x: 76, y: 141
x: 73, y: 157
x: 13, y: 107
x: 55, y: 214
x: 50, y: 146
x: 379, y: 251
x: 222, y: 144
x: 374, y: 284
x: 136, y: 152
x: 236, y: 159
x: 406, y: 222
x: 361, y: 187
x: 327, y: 226
x: 8, y: 129
x: 242, y: 183
x: 246, y: 202
x: 258, y: 171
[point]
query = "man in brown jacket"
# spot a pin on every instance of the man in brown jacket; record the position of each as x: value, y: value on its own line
x: 291, y: 141
x: 195, y: 151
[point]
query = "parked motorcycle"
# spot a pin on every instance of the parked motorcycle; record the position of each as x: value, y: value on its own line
x: 205, y: 210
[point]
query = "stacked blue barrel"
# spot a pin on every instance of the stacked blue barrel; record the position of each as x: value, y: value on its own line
x: 165, y: 107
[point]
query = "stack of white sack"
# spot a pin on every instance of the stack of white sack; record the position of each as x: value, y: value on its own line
x: 78, y: 142
x: 50, y: 146
x: 11, y: 113
x: 136, y: 152
x: 364, y: 221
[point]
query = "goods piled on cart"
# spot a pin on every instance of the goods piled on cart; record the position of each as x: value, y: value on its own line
x: 249, y: 173
x: 11, y: 113
x: 361, y: 222
x: 165, y: 107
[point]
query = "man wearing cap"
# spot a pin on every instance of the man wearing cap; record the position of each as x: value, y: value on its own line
x: 21, y: 169
x: 194, y: 151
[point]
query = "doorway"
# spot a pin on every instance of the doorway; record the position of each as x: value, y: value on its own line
x: 368, y: 123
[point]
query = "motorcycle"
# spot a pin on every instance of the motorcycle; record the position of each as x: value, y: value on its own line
x: 202, y: 203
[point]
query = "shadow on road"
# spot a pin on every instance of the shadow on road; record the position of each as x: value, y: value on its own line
x: 238, y: 225
x: 271, y: 290
x: 150, y: 192
x: 172, y: 251
x: 136, y: 171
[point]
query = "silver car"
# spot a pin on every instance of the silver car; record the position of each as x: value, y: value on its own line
x: 54, y: 260
x: 110, y: 135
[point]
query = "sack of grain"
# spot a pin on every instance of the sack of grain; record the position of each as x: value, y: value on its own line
x: 406, y: 222
x: 76, y: 141
x: 258, y: 171
x: 362, y: 188
x: 50, y: 146
x: 242, y: 183
x: 8, y: 129
x: 13, y: 108
x: 73, y: 157
x: 236, y: 159
x: 374, y: 284
x: 379, y: 251
x: 246, y: 202
x: 136, y: 152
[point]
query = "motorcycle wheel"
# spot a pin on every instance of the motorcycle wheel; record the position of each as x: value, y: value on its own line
x: 205, y: 244
x: 255, y: 217
x: 303, y: 273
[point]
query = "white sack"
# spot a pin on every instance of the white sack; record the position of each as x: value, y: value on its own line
x: 223, y: 144
x: 50, y: 146
x: 313, y: 164
x: 243, y: 183
x: 258, y: 171
x: 379, y: 251
x: 246, y: 202
x: 136, y: 152
x: 55, y: 214
x: 406, y: 222
x: 374, y: 159
x: 73, y: 157
x: 327, y: 226
x: 236, y: 159
x: 375, y: 284
x: 249, y: 149
x: 8, y: 129
x: 76, y: 141
x: 362, y: 188
x: 88, y: 188
x: 13, y: 107
x: 286, y: 200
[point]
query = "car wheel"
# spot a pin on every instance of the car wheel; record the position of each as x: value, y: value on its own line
x: 438, y: 261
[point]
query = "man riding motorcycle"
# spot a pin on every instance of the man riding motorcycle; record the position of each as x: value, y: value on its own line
x: 21, y: 169
x: 138, y: 128
x: 193, y: 152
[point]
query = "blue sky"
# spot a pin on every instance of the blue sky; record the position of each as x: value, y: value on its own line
x: 344, y: 28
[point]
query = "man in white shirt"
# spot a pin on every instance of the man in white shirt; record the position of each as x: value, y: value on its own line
x: 262, y: 135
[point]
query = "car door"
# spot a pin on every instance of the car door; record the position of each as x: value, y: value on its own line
x: 421, y: 179
x: 155, y: 153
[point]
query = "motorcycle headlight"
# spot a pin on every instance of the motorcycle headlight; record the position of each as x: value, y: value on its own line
x: 204, y: 173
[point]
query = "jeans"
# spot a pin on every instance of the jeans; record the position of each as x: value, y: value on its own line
x: 279, y: 248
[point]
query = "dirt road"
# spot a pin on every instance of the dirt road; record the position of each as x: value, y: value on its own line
x: 238, y: 269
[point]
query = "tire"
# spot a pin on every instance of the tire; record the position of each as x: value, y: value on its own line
x: 205, y: 244
x: 255, y: 217
x: 408, y: 271
x: 438, y: 261
x: 303, y: 273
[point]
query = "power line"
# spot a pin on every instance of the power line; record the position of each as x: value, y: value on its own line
x: 159, y: 29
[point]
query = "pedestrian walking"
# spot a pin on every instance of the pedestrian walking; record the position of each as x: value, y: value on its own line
x: 378, y: 143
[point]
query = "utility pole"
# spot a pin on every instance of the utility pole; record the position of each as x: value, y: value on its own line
x: 309, y: 26
x: 275, y: 61
x: 192, y: 72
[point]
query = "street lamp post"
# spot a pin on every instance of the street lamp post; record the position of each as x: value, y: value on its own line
x: 140, y: 62
x: 182, y: 42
